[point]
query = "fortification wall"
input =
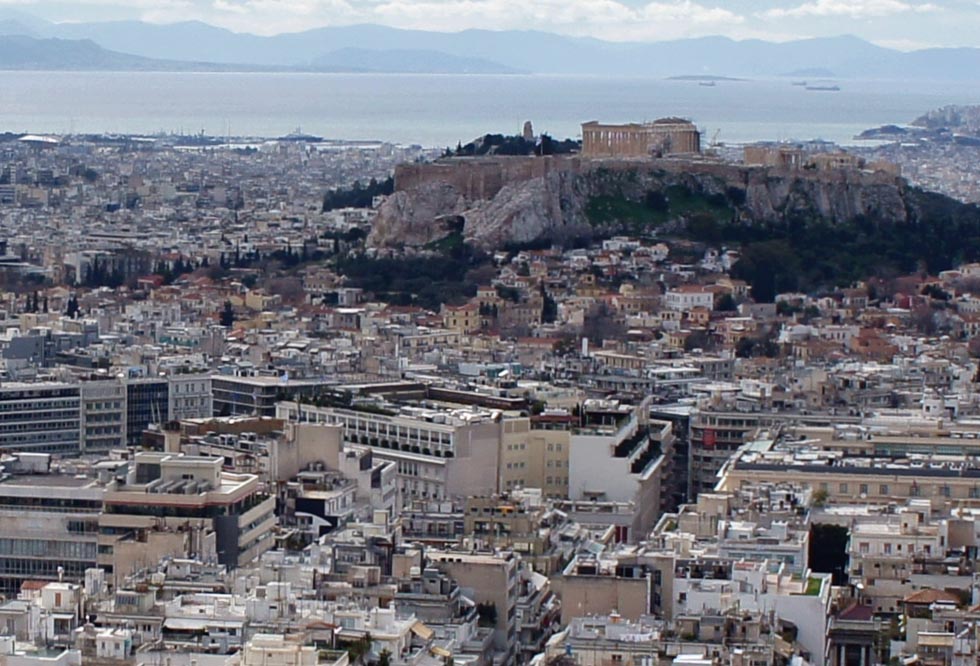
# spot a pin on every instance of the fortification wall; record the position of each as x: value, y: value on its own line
x: 482, y: 178
x: 479, y: 178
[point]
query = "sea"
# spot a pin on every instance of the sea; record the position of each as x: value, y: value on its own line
x: 441, y: 110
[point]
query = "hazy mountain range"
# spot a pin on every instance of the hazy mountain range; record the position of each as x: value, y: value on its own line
x: 27, y: 42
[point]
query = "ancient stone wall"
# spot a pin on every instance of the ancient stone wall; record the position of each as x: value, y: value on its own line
x: 478, y: 179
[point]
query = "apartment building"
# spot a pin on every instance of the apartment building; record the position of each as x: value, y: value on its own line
x: 44, y: 417
x: 491, y: 580
x: 186, y: 504
x: 534, y: 453
x: 256, y: 396
x: 50, y: 519
x: 103, y: 415
x: 520, y: 521
x: 618, y: 455
x: 440, y: 453
x: 95, y: 415
x: 689, y: 296
x: 189, y: 397
x: 704, y: 585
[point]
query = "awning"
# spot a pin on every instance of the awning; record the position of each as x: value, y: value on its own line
x: 422, y: 631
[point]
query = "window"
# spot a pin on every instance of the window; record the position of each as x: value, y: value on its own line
x: 863, y: 547
x: 843, y: 487
x: 883, y: 489
x: 863, y: 489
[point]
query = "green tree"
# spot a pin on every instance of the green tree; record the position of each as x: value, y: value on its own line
x: 549, y: 308
x: 71, y: 310
x: 726, y: 303
x: 358, y: 650
x: 227, y: 315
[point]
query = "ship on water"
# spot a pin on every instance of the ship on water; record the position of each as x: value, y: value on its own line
x: 822, y: 88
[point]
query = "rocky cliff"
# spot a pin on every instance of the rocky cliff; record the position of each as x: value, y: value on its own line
x: 578, y: 199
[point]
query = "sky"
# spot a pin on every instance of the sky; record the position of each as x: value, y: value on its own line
x: 903, y: 24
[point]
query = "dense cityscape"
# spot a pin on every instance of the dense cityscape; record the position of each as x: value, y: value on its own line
x: 297, y: 402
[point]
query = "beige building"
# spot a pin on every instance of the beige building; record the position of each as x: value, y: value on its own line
x: 534, y: 456
x: 440, y: 453
x: 463, y: 318
x: 172, y: 505
x: 491, y: 580
x: 288, y: 650
x: 837, y: 477
x: 521, y: 522
x: 599, y: 585
x: 667, y: 136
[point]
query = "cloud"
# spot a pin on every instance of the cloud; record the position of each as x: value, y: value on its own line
x: 610, y: 19
x: 855, y: 9
x: 266, y: 17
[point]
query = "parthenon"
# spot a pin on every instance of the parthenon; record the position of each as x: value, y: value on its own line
x: 667, y: 136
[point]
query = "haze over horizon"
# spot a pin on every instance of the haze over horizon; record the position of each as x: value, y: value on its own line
x: 901, y: 24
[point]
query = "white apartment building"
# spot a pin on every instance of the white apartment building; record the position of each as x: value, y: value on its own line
x: 439, y: 453
x: 720, y: 584
x: 688, y: 296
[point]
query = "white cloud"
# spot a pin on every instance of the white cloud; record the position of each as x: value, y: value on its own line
x: 611, y: 19
x: 855, y: 9
x: 266, y: 17
x: 911, y: 22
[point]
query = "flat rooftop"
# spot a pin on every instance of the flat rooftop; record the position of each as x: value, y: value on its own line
x: 47, y: 480
x: 819, y: 460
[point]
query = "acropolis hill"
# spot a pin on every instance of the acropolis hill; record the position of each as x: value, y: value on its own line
x: 503, y: 200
